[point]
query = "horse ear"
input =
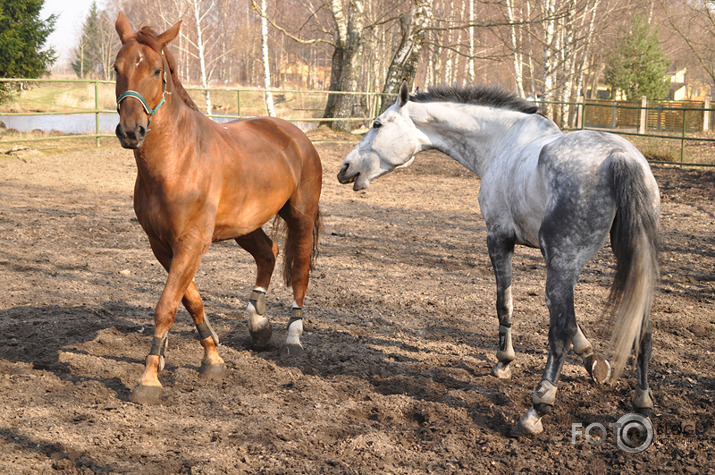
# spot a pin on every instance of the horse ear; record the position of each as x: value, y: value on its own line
x: 404, y: 92
x: 124, y: 29
x: 169, y: 35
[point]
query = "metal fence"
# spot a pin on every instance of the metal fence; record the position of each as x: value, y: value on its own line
x: 682, y: 122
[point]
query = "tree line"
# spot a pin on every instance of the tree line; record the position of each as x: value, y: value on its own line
x: 551, y: 50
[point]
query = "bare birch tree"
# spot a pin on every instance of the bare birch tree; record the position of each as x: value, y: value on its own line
x: 266, y: 64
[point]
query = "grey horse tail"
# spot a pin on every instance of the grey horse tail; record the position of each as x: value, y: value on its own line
x: 634, y: 240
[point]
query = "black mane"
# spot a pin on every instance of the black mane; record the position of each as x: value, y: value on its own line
x: 491, y: 96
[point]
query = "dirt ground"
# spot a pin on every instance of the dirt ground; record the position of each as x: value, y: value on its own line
x: 395, y: 378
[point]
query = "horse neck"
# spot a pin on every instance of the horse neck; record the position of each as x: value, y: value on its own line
x: 159, y: 157
x: 468, y: 133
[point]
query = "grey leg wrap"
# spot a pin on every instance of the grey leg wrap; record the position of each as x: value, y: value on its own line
x: 158, y: 348
x: 258, y: 300
x: 206, y: 330
x: 545, y: 393
x: 542, y: 401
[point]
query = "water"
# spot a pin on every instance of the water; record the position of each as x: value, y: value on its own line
x: 69, y: 124
x: 85, y: 123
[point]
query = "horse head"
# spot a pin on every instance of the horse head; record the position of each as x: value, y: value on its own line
x: 141, y: 72
x: 391, y: 143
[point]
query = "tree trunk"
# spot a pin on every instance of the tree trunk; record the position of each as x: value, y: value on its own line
x: 196, y: 4
x: 266, y: 65
x: 404, y: 62
x: 347, y: 60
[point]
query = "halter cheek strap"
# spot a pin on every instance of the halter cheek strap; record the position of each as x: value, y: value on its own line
x: 150, y: 112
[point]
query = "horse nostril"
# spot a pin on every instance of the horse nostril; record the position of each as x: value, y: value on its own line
x: 141, y: 132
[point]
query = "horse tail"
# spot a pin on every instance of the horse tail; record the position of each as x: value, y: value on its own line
x: 291, y: 248
x: 634, y: 241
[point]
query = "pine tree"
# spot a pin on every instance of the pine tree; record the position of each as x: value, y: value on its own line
x: 23, y: 35
x: 84, y: 63
x: 638, y: 65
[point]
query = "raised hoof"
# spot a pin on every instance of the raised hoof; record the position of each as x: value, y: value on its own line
x: 261, y: 338
x: 501, y: 370
x: 598, y: 367
x: 142, y: 394
x: 290, y: 351
x: 212, y: 371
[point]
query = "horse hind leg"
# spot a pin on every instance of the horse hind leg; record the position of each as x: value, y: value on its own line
x: 264, y: 252
x: 643, y: 398
x: 562, y: 331
x: 300, y: 250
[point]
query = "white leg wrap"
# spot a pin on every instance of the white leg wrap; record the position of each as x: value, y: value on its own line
x: 256, y: 322
x: 295, y: 330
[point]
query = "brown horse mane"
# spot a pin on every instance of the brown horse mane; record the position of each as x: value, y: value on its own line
x: 147, y: 36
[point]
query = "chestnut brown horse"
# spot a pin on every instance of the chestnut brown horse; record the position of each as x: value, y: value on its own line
x: 199, y: 182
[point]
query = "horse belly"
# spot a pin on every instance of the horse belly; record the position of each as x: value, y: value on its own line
x: 526, y: 196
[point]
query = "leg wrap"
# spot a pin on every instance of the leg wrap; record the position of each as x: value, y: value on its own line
x: 258, y: 300
x: 295, y: 315
x: 505, y: 354
x: 545, y: 393
x: 581, y: 346
x: 206, y: 330
x: 158, y: 348
x: 159, y: 345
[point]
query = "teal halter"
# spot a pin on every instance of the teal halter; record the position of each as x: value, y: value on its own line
x: 150, y: 112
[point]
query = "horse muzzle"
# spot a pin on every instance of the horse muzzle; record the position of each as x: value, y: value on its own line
x: 131, y: 138
x: 344, y: 177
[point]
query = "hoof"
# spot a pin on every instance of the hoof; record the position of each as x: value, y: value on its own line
x: 212, y: 371
x: 598, y: 367
x: 142, y: 394
x: 528, y: 426
x: 290, y: 351
x: 501, y: 370
x: 261, y: 337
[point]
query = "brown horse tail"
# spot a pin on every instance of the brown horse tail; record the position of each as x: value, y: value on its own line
x: 634, y: 240
x: 291, y: 248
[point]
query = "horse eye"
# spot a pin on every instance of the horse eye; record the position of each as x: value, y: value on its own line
x: 376, y: 125
x: 116, y: 69
x: 157, y: 72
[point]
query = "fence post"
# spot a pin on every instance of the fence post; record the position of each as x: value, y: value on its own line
x: 644, y: 116
x: 682, y: 139
x: 579, y: 113
x: 706, y: 115
x: 614, y: 115
x: 96, y: 112
x: 238, y: 102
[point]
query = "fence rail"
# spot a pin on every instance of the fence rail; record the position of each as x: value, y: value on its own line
x: 684, y: 122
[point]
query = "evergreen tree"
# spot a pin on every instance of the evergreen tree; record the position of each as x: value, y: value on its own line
x: 84, y: 63
x: 23, y: 35
x: 638, y: 65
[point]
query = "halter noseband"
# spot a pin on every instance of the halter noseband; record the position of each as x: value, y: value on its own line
x: 150, y: 112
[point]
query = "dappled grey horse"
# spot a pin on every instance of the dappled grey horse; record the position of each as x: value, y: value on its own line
x: 562, y: 193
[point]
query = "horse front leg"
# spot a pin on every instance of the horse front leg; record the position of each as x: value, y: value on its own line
x: 212, y: 365
x: 181, y: 265
x: 501, y: 251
